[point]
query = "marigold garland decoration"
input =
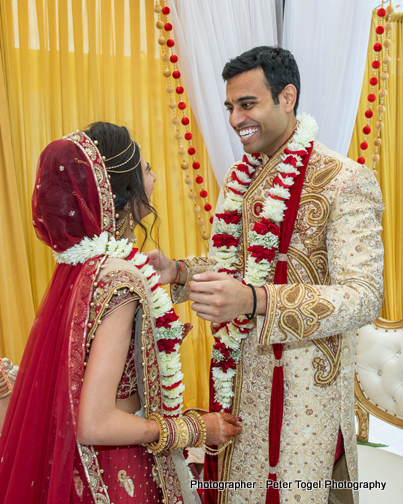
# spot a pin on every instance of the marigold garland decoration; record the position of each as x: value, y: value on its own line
x: 179, y: 90
x: 381, y: 29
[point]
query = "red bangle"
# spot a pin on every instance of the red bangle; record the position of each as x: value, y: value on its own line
x: 178, y: 271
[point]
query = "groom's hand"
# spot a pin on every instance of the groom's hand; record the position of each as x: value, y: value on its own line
x: 218, y: 297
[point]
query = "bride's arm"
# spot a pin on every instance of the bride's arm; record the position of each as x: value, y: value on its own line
x: 100, y: 421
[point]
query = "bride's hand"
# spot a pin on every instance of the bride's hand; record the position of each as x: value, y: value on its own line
x: 221, y: 427
x: 164, y: 267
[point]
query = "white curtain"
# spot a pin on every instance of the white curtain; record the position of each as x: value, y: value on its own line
x: 207, y: 34
x: 329, y: 40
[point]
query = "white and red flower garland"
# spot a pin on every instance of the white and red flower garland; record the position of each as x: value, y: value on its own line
x: 264, y: 240
x: 168, y: 332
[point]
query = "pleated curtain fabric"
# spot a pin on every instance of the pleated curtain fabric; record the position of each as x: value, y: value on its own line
x: 66, y: 64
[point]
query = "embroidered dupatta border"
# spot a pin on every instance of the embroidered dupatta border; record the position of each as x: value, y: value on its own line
x: 107, y: 205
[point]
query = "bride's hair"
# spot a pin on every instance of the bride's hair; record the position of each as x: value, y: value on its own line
x: 127, y: 186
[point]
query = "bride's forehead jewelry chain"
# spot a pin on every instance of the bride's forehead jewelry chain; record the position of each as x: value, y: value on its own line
x: 120, y: 153
x: 112, y: 169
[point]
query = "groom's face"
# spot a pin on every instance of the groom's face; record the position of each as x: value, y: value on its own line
x: 257, y: 120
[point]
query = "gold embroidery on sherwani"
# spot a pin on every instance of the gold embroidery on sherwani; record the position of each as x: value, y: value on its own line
x: 327, y: 373
x: 126, y: 482
x: 225, y: 458
x: 271, y: 304
x: 301, y: 309
x: 329, y: 168
x: 257, y: 192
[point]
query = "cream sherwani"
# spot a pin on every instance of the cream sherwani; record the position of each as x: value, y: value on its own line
x: 334, y: 287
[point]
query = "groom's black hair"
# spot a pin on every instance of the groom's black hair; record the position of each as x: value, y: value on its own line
x: 278, y: 65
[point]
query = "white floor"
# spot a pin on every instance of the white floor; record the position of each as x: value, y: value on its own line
x: 382, y: 432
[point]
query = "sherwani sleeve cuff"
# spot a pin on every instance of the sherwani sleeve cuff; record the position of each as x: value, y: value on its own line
x: 268, y: 319
x: 180, y: 293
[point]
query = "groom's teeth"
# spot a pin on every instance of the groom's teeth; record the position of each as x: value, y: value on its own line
x: 248, y: 132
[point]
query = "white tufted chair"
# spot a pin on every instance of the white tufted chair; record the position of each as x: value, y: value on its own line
x: 379, y: 392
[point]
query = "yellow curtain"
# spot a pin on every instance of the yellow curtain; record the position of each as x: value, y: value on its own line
x: 389, y: 168
x: 65, y: 64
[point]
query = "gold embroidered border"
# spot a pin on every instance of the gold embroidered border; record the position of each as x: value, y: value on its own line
x: 229, y: 451
x: 109, y: 296
x: 170, y: 486
x: 92, y: 472
x: 104, y: 188
x: 271, y: 163
x: 268, y: 322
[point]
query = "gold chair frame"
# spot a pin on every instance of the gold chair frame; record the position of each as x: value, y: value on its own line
x: 363, y: 406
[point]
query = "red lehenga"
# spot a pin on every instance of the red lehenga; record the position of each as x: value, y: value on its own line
x: 40, y: 458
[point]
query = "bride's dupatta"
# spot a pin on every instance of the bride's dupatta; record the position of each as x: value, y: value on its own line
x: 72, y: 199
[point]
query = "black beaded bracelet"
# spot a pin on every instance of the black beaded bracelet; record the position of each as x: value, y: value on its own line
x: 250, y: 317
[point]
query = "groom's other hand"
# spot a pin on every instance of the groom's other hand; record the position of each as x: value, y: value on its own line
x: 218, y: 297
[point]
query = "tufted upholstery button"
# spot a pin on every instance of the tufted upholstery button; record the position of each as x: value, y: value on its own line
x: 379, y: 367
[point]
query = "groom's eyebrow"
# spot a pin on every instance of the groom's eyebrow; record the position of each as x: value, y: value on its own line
x: 240, y: 99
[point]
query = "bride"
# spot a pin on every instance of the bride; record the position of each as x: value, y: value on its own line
x: 96, y: 412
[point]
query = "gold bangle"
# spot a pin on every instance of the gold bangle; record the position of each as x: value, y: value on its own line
x: 183, y: 433
x: 202, y: 427
x: 158, y: 447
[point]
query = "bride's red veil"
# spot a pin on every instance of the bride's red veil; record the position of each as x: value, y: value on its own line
x: 72, y: 199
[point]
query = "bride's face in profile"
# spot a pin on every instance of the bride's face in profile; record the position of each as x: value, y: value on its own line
x: 149, y: 179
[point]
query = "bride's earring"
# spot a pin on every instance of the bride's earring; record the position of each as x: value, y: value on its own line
x: 121, y: 227
x: 132, y: 224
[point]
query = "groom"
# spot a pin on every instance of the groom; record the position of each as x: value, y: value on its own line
x: 300, y: 225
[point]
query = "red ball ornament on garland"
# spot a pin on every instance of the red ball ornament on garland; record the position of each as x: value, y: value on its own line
x: 381, y: 12
x: 167, y: 27
x: 203, y: 193
x: 361, y: 160
x: 199, y: 179
x: 196, y: 165
x: 176, y: 74
x: 366, y: 130
x: 377, y: 46
x: 371, y: 97
x: 191, y: 151
x: 211, y: 220
x: 373, y: 81
x: 185, y: 121
x: 207, y: 207
x: 379, y: 30
x: 173, y: 58
x: 179, y: 89
x: 166, y: 10
x: 368, y: 114
x: 364, y: 145
x: 188, y: 136
x: 376, y: 64
x: 171, y: 43
x: 181, y: 105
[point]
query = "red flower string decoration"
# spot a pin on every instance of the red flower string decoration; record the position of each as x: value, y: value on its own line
x: 181, y: 105
x: 374, y: 82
